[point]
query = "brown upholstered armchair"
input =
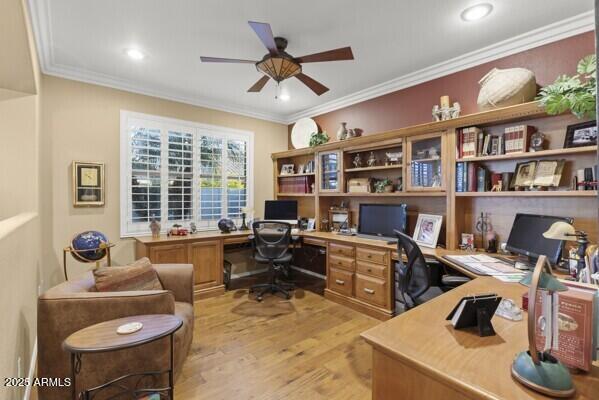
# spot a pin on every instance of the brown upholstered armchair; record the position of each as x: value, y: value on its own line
x: 73, y: 305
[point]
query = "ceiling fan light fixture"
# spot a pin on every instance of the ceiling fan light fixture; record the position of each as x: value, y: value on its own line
x: 279, y: 68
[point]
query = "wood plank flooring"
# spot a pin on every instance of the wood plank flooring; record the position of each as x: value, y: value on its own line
x: 306, y: 348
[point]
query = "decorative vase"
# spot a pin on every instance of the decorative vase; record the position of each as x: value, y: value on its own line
x: 155, y: 228
x: 342, y: 131
x: 506, y: 87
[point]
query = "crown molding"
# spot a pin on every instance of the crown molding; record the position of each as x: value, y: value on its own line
x: 551, y: 33
x: 39, y: 11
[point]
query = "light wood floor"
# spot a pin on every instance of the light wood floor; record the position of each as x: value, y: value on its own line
x: 307, y: 348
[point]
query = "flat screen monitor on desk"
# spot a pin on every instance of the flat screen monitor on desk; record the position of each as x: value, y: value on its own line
x: 526, y: 237
x: 281, y: 210
x: 377, y: 221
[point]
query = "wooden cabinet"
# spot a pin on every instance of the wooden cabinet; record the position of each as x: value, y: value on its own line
x: 330, y: 164
x: 168, y: 254
x: 206, y: 257
x: 360, y: 277
x: 426, y: 155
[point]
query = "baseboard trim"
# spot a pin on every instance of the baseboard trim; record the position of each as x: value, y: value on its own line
x: 32, y: 368
x: 308, y: 272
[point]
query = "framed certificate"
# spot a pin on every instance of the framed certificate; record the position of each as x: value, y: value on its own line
x: 524, y: 175
x: 548, y: 173
x: 88, y: 184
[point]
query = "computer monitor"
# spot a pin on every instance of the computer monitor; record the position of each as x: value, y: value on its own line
x: 526, y: 237
x: 379, y: 220
x: 281, y: 210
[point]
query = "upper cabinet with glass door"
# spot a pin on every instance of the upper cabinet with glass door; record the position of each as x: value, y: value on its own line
x: 425, y: 157
x: 330, y: 171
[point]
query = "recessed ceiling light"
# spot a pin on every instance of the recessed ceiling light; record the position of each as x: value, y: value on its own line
x: 476, y: 12
x: 135, y: 54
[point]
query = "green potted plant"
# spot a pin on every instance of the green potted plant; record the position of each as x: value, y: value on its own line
x: 575, y: 93
x: 383, y: 186
x: 318, y: 138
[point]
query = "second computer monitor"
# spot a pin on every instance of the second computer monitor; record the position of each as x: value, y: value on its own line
x: 281, y: 210
x: 526, y: 237
x: 381, y: 220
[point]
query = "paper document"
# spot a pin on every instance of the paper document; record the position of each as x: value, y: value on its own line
x: 486, y: 265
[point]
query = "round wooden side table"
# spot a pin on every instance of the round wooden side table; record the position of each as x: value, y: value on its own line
x: 103, y: 337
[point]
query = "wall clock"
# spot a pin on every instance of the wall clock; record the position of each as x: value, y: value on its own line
x: 88, y: 184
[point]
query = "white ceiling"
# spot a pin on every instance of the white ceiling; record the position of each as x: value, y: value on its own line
x: 86, y: 39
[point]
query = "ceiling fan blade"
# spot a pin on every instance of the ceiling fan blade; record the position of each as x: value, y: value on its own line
x: 343, y: 53
x: 259, y: 85
x: 266, y: 37
x: 316, y: 87
x: 226, y: 60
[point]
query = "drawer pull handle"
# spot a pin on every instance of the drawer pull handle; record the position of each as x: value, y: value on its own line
x: 369, y: 291
x: 339, y: 263
x: 369, y: 269
x: 340, y: 282
x: 369, y: 256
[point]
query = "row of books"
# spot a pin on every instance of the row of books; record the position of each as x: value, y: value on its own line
x: 471, y: 177
x: 586, y: 178
x: 296, y: 184
x: 426, y: 174
x: 474, y: 142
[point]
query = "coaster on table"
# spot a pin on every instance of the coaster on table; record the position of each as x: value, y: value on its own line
x: 129, y: 328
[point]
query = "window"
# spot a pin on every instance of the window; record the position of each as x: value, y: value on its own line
x: 179, y: 172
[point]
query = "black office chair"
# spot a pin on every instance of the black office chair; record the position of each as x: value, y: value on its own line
x: 413, y: 281
x: 271, y: 246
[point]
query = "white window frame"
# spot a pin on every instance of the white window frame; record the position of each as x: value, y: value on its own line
x: 130, y: 229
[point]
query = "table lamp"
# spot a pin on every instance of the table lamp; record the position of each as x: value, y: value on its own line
x: 540, y: 371
x: 562, y: 230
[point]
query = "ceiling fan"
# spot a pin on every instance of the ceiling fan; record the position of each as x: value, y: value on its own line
x: 280, y: 65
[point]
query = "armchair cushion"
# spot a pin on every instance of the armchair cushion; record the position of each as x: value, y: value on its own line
x: 140, y: 275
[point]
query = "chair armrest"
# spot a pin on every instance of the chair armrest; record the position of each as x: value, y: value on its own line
x: 454, y: 280
x: 178, y: 278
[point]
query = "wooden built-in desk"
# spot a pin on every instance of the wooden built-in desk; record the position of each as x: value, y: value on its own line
x: 359, y: 271
x: 418, y: 355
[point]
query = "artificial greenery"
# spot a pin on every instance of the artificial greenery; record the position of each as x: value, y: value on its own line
x: 379, y: 186
x: 318, y: 138
x: 575, y: 93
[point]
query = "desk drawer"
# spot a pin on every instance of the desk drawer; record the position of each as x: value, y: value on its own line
x: 372, y: 255
x: 366, y: 268
x: 341, y: 250
x: 372, y: 290
x: 237, y: 240
x: 342, y: 262
x: 341, y: 281
x: 315, y: 242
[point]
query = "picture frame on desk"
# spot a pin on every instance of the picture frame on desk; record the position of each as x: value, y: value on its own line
x: 427, y: 230
x: 580, y: 135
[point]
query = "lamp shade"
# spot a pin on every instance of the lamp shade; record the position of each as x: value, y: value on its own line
x: 279, y: 68
x: 560, y: 231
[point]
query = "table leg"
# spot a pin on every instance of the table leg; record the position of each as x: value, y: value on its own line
x: 171, y: 380
x: 73, y: 383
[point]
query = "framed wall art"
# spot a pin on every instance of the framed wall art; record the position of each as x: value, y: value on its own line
x: 88, y: 184
x: 583, y: 134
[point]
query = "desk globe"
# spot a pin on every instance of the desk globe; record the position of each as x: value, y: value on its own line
x: 88, y: 247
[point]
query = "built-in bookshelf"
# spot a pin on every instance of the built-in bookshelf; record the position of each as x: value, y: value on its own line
x: 460, y: 209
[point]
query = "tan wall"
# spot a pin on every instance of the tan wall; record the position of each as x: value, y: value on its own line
x: 82, y: 122
x: 20, y: 266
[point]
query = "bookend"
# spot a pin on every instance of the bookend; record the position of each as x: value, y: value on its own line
x: 483, y: 322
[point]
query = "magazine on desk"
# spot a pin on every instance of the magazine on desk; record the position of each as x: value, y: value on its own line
x: 482, y: 264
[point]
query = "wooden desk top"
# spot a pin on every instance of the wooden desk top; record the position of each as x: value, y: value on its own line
x: 202, y: 235
x: 477, y: 366
x: 103, y: 337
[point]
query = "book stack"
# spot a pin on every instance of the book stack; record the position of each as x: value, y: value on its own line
x: 471, y: 177
x: 517, y: 138
x: 296, y: 184
x: 473, y: 142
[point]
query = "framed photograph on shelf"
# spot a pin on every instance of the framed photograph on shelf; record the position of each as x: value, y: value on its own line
x: 524, y: 175
x: 548, y: 173
x: 287, y: 169
x: 88, y: 184
x: 580, y: 135
x: 427, y: 230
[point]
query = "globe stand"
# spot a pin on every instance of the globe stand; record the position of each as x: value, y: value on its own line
x: 76, y: 254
